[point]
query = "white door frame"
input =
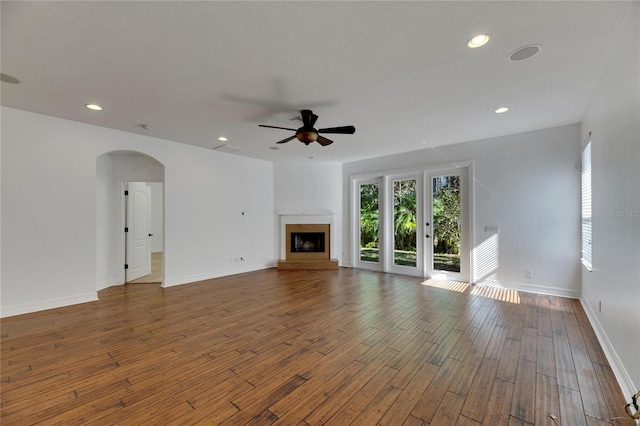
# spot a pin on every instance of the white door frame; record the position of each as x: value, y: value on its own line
x: 121, y: 249
x: 386, y: 210
x: 355, y: 206
x: 465, y: 246
x: 137, y: 241
x: 389, y: 250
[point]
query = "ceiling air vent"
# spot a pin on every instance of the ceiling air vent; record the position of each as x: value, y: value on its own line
x: 524, y: 52
x: 228, y: 149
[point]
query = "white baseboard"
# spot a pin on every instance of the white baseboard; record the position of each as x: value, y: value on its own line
x: 532, y: 288
x: 216, y: 274
x: 106, y: 284
x: 26, y: 308
x: 623, y: 377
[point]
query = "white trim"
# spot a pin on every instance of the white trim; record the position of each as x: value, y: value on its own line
x: 466, y: 214
x: 385, y: 177
x: 531, y: 288
x: 354, y: 220
x: 471, y: 210
x: 389, y: 235
x: 621, y: 373
x: 27, y: 308
x: 394, y: 172
x: 586, y: 264
x: 107, y: 283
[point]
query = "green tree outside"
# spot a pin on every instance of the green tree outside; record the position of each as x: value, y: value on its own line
x: 446, y: 222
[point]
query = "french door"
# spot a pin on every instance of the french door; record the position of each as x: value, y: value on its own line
x: 447, y: 227
x: 369, y: 230
x: 405, y: 248
x: 413, y: 224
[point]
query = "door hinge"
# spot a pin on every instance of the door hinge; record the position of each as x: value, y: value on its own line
x: 126, y: 229
x: 126, y: 192
x: 126, y: 266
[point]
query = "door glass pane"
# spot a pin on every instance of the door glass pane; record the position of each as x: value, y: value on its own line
x: 369, y: 222
x: 404, y: 222
x: 446, y: 223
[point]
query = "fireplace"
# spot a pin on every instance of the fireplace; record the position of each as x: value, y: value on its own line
x: 306, y: 245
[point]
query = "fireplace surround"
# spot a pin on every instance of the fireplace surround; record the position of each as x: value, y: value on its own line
x: 307, y: 242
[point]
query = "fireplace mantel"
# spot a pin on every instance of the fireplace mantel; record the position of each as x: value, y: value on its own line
x: 307, y: 219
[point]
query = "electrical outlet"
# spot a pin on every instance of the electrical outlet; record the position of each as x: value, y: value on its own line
x: 528, y: 273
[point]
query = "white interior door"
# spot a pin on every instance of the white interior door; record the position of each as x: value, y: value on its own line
x: 138, y: 227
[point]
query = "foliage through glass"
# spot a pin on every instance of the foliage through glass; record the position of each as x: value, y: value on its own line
x: 369, y: 222
x: 446, y: 223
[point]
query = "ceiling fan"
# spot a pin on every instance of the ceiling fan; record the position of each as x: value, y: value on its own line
x: 307, y: 133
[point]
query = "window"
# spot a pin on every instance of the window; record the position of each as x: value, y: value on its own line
x: 586, y: 206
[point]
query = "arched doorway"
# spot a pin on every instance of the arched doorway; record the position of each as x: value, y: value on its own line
x: 113, y: 171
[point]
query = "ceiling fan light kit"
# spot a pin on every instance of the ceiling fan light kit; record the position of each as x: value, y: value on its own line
x: 307, y: 133
x: 307, y: 137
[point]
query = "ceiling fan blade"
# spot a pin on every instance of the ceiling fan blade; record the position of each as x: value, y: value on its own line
x: 345, y: 130
x: 306, y: 117
x: 276, y: 127
x: 312, y: 119
x: 285, y: 140
x: 324, y: 141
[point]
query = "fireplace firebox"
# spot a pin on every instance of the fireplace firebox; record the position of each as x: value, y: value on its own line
x: 307, y: 242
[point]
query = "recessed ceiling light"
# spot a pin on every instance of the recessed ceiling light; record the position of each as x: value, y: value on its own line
x: 501, y: 110
x: 223, y: 139
x: 478, y: 40
x: 94, y: 107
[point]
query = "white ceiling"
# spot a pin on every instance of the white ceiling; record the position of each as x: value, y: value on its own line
x: 399, y: 71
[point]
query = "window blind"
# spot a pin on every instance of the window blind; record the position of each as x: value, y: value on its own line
x: 587, y: 230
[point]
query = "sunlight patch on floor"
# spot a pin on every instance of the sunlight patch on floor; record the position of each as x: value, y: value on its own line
x: 497, y: 293
x: 458, y: 286
x: 491, y: 292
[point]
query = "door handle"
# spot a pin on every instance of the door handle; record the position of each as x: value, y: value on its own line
x: 151, y: 235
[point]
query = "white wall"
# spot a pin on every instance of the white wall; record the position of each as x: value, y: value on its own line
x: 308, y: 187
x: 106, y: 223
x: 613, y: 118
x: 157, y: 217
x: 50, y: 199
x: 528, y: 185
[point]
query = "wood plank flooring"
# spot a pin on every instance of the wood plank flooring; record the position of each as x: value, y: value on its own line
x: 308, y: 348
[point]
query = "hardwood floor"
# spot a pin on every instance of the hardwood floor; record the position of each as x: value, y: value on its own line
x: 308, y: 348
